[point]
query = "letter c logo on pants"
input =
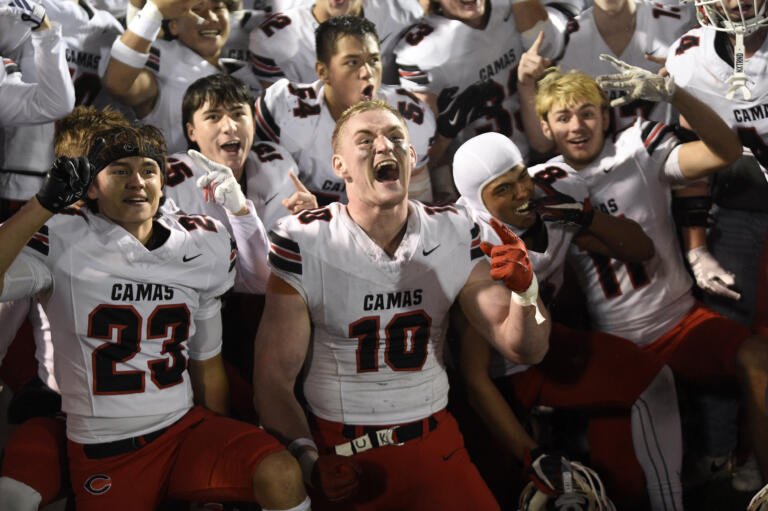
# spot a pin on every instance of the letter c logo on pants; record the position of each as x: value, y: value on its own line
x: 98, y: 484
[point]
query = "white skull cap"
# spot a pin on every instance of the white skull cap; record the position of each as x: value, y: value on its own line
x: 479, y: 161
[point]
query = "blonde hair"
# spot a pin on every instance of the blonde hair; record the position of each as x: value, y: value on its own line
x: 567, y: 89
x: 363, y: 106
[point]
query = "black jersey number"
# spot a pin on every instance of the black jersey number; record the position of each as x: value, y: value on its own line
x: 407, y: 337
x: 606, y: 273
x: 126, y: 323
x: 273, y: 23
x: 178, y: 171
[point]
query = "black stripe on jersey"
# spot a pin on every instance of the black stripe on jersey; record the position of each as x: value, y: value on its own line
x: 659, y: 138
x: 647, y: 130
x: 475, y: 231
x: 246, y: 17
x: 39, y: 241
x: 284, y: 243
x: 10, y: 66
x: 475, y: 253
x: 284, y: 264
x: 413, y: 74
x: 723, y: 47
x: 266, y: 127
x: 474, y: 248
x: 264, y: 67
x: 87, y: 8
x: 154, y: 51
x: 232, y: 255
x: 152, y: 65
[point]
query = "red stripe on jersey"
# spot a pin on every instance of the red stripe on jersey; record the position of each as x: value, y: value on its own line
x: 409, y: 74
x: 40, y: 237
x: 475, y: 242
x: 8, y: 61
x: 263, y: 124
x: 264, y: 67
x: 284, y: 253
x: 654, y: 133
x: 154, y: 59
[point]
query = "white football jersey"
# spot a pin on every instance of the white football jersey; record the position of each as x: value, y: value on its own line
x: 175, y: 67
x: 274, y: 5
x: 656, y: 27
x: 637, y: 301
x: 121, y: 315
x: 378, y: 331
x: 444, y: 56
x: 547, y: 265
x: 297, y: 117
x: 241, y: 24
x: 284, y: 45
x: 701, y: 61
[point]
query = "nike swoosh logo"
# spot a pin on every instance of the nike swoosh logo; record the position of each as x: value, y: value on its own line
x: 427, y: 252
x: 381, y: 41
x: 188, y: 259
x: 269, y: 199
x: 446, y: 458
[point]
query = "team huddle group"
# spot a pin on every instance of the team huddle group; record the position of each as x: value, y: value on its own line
x: 254, y: 242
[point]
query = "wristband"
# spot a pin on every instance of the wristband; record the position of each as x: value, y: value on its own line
x: 130, y: 12
x: 307, y: 463
x: 530, y: 297
x: 147, y: 22
x: 299, y: 443
x: 128, y: 56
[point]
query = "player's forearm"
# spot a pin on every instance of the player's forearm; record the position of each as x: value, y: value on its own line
x: 278, y: 410
x: 16, y: 232
x: 531, y: 122
x: 54, y: 95
x: 522, y: 338
x: 209, y: 384
x: 720, y: 140
x: 623, y: 238
x: 253, y: 246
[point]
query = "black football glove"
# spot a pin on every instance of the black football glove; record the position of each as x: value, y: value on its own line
x: 68, y: 180
x: 546, y: 469
x: 560, y: 208
x: 458, y: 110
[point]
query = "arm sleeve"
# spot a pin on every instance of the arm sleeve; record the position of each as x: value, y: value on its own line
x: 252, y: 246
x: 27, y: 276
x: 206, y: 342
x: 52, y: 97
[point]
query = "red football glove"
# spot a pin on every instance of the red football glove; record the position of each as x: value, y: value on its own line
x: 337, y: 477
x: 509, y: 262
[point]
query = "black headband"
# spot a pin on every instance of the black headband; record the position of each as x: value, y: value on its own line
x: 126, y: 150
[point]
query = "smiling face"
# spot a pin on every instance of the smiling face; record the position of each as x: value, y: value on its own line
x: 326, y: 9
x: 208, y: 38
x: 224, y: 133
x: 375, y: 158
x: 128, y: 192
x: 578, y: 131
x: 353, y: 73
x: 507, y: 194
x: 471, y: 12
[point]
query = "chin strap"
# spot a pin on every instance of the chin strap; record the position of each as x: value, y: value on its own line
x: 738, y: 81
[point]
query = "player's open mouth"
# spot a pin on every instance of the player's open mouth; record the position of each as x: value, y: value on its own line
x: 231, y: 147
x: 136, y: 200
x: 523, y: 208
x: 386, y: 171
x: 210, y: 33
x: 579, y: 142
x: 368, y: 92
x: 745, y: 8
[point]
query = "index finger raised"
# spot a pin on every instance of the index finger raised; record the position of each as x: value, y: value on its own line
x: 505, y: 234
x: 296, y: 183
x: 536, y: 46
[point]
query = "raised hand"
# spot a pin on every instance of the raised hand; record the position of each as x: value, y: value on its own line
x: 509, y: 261
x: 558, y: 207
x: 176, y: 8
x: 27, y: 11
x: 532, y: 65
x: 637, y: 82
x: 219, y: 185
x: 302, y: 199
x: 68, y: 180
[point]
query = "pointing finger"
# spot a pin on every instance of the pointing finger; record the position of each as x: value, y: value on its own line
x: 507, y: 236
x: 296, y: 183
x: 536, y: 46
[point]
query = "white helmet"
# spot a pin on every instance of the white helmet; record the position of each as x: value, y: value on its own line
x: 714, y: 14
x: 584, y: 492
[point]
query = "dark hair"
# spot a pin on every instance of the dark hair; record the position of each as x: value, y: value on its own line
x: 218, y: 89
x: 333, y: 29
x: 141, y: 139
x: 74, y: 129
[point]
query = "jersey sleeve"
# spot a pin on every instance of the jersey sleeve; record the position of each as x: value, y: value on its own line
x: 285, y: 255
x: 414, y: 63
x: 682, y: 58
x: 271, y: 105
x: 421, y: 124
x: 207, y: 340
x: 214, y: 239
x: 272, y: 182
x: 658, y: 139
x: 251, y: 239
x: 272, y: 46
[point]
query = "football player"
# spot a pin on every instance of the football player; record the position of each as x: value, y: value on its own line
x: 370, y: 284
x: 151, y: 76
x: 284, y: 45
x: 300, y: 117
x: 549, y: 214
x: 121, y: 283
x: 651, y: 304
x: 732, y: 38
x: 462, y: 59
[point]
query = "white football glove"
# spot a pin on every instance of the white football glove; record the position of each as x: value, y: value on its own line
x: 219, y: 184
x: 27, y: 11
x: 710, y: 276
x: 638, y: 83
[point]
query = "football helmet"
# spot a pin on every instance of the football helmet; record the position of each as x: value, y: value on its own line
x: 584, y: 491
x: 749, y: 17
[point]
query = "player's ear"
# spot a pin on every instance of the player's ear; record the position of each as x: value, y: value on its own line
x: 322, y: 71
x: 337, y: 163
x: 91, y: 193
x: 412, y: 156
x: 191, y: 132
x: 546, y: 130
x: 173, y: 28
